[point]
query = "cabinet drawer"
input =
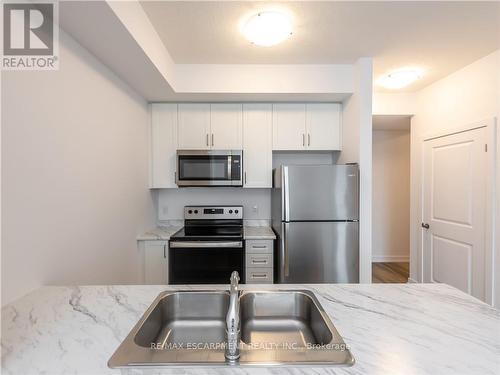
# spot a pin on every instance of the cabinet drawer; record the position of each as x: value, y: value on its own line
x: 259, y: 276
x: 259, y: 246
x: 259, y: 260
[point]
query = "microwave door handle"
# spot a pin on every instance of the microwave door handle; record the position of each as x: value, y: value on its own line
x: 229, y: 167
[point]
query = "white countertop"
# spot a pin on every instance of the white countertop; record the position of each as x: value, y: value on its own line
x: 249, y: 233
x: 258, y: 233
x: 390, y: 328
x: 159, y: 233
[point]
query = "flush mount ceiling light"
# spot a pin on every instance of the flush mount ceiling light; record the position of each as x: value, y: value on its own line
x: 267, y: 28
x: 400, y: 78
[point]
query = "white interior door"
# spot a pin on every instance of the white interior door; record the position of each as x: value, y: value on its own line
x: 454, y: 209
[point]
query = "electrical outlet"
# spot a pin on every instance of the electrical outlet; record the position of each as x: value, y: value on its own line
x: 255, y: 209
x: 164, y: 210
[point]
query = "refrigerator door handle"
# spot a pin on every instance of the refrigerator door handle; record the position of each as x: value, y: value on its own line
x: 285, y: 260
x: 285, y: 198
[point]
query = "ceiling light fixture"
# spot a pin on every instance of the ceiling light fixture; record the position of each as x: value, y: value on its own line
x: 400, y: 78
x: 268, y: 28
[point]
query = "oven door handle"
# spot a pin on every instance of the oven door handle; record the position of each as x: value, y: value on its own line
x: 201, y: 244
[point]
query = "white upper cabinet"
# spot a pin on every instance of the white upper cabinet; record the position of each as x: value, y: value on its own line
x: 257, y: 145
x: 226, y: 123
x: 323, y: 126
x: 204, y: 126
x: 194, y: 126
x: 163, y: 145
x: 289, y: 126
x: 257, y: 128
x: 311, y: 126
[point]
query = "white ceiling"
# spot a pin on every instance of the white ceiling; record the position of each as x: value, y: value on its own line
x: 440, y: 37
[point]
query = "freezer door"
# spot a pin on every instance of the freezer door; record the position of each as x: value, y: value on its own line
x: 318, y: 252
x: 320, y: 192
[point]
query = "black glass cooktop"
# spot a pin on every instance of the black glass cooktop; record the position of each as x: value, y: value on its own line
x: 215, y: 230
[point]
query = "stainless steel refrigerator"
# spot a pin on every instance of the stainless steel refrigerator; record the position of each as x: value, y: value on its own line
x: 315, y: 212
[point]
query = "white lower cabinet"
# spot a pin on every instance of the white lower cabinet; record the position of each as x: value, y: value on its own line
x: 259, y: 261
x: 155, y: 262
x: 257, y: 145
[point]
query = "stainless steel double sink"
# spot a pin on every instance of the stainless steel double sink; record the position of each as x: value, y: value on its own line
x: 188, y: 328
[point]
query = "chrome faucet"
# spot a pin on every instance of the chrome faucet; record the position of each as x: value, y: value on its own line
x: 232, y: 352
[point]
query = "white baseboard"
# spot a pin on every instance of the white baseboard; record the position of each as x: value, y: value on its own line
x: 390, y: 258
x: 411, y: 281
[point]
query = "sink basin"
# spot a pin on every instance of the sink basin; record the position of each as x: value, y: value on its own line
x: 182, y: 318
x: 187, y: 328
x: 282, y: 318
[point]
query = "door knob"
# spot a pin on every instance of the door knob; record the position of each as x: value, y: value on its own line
x: 425, y: 225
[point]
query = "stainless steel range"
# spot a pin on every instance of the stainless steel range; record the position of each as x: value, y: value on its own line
x: 209, y: 247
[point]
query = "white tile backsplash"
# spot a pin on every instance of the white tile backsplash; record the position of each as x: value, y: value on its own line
x: 256, y: 202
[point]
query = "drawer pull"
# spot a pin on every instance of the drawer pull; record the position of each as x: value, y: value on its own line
x: 259, y: 246
x: 259, y: 276
x: 263, y: 261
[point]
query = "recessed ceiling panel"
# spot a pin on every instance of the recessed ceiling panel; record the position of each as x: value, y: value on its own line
x: 439, y: 37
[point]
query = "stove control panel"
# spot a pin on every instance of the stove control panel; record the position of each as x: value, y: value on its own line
x: 213, y: 212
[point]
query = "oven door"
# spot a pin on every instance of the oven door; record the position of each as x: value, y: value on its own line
x: 205, y: 262
x: 209, y: 168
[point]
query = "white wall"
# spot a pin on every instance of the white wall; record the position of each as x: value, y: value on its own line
x: 394, y: 103
x: 357, y: 148
x: 74, y: 172
x: 391, y: 196
x: 464, y: 97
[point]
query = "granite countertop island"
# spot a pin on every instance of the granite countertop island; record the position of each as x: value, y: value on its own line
x: 390, y: 328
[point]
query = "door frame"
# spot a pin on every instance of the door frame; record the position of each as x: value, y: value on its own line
x: 491, y: 238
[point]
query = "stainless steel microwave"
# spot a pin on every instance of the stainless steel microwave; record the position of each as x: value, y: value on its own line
x: 209, y: 168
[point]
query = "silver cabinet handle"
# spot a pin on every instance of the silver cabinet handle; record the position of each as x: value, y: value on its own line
x: 303, y: 140
x: 207, y: 140
x: 254, y: 261
x: 245, y: 177
x: 212, y: 139
x: 259, y: 276
x: 308, y: 139
x: 259, y: 246
x: 425, y: 225
x: 165, y: 251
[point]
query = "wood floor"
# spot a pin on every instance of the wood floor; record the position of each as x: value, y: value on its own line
x: 390, y: 272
